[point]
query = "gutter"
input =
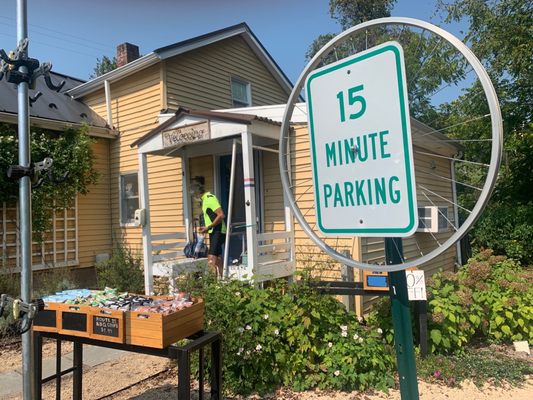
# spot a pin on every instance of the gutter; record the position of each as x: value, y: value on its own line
x: 119, y: 73
x: 95, y: 131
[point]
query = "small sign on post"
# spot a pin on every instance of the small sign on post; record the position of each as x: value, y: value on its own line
x: 361, y: 149
x: 416, y: 285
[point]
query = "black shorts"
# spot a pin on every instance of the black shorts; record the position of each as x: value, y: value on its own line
x: 216, y: 240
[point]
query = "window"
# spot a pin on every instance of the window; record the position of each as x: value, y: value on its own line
x: 240, y: 93
x: 129, y: 197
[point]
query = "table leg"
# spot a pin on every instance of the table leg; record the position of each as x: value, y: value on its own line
x: 78, y: 371
x: 184, y: 375
x: 38, y: 364
x: 216, y: 369
x: 201, y: 374
x: 58, y: 369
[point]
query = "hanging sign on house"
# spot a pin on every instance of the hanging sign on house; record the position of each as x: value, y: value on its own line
x: 361, y: 148
x: 186, y: 134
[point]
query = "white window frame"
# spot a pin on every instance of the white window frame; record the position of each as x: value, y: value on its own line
x: 120, y: 198
x: 248, y: 92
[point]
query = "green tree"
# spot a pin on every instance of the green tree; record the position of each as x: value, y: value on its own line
x: 103, y: 66
x: 71, y: 152
x: 500, y: 35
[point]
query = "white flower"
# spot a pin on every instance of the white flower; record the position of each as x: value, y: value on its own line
x: 240, y: 329
x: 355, y: 336
x: 265, y: 316
x: 344, y: 333
x: 240, y: 351
x: 276, y: 332
x: 337, y: 373
x: 247, y: 352
x: 237, y: 293
x: 258, y: 347
x: 247, y: 327
x: 360, y: 340
x: 379, y: 330
x: 330, y: 345
x: 344, y: 328
x: 359, y: 319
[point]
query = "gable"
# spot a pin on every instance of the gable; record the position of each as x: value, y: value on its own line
x: 201, y: 78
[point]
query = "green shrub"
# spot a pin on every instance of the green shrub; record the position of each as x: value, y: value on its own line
x: 288, y: 334
x: 122, y: 271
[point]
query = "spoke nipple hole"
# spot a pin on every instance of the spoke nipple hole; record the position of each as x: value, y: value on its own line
x: 360, y: 221
x: 348, y: 72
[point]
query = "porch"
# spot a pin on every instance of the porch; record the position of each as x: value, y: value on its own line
x: 236, y: 154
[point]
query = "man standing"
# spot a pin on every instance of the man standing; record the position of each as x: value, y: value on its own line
x: 215, y: 226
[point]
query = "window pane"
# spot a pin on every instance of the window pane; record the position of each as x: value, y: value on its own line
x: 239, y: 91
x: 130, y: 185
x: 129, y: 197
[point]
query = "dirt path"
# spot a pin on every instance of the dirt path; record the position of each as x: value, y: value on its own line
x: 159, y: 380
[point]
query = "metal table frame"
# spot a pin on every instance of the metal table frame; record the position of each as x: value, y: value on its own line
x: 180, y: 353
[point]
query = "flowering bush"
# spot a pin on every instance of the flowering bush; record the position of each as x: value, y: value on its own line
x: 490, y: 298
x: 288, y: 334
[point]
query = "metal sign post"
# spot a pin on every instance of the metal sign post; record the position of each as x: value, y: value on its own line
x: 401, y: 320
x: 25, y: 202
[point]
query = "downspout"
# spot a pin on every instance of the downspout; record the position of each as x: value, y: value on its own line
x: 107, y: 88
x: 455, y: 207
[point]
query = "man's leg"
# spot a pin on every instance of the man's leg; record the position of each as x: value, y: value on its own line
x: 212, y: 263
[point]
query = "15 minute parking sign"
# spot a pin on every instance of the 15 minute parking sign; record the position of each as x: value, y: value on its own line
x: 361, y: 149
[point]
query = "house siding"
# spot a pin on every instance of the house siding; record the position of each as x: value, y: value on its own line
x: 94, y: 212
x: 202, y: 77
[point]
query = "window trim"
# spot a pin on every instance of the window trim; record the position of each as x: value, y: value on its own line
x: 120, y: 205
x: 248, y: 91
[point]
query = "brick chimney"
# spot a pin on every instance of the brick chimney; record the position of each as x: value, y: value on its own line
x: 126, y: 52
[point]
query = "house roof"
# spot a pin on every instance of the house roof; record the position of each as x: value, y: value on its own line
x: 52, y: 109
x: 246, y: 119
x: 185, y: 46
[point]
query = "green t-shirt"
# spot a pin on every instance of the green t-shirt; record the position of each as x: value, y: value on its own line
x: 209, y: 205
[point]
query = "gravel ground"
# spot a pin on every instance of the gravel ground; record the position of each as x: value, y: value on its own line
x: 158, y: 380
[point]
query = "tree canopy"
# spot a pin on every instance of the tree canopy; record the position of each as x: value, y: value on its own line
x: 103, y: 66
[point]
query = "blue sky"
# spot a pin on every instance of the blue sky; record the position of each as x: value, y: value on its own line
x: 72, y: 34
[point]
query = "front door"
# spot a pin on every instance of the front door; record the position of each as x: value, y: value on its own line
x: 237, y: 243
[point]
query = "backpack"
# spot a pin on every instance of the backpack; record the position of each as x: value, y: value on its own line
x: 196, y: 248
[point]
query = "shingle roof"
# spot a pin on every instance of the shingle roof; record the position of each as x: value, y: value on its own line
x: 51, y: 105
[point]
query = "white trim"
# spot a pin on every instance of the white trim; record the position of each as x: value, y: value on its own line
x: 144, y: 202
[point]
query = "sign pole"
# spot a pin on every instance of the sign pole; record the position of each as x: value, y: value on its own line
x: 25, y: 204
x: 401, y: 319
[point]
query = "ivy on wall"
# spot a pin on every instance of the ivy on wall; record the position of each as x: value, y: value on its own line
x: 71, y: 151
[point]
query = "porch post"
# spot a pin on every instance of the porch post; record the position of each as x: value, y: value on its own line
x: 146, y: 232
x: 185, y: 194
x: 249, y: 198
x: 229, y: 219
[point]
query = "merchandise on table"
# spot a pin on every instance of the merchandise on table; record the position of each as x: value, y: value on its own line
x: 112, y: 299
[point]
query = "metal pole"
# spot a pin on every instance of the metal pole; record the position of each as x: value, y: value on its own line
x: 230, y: 206
x: 25, y: 205
x: 401, y: 319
